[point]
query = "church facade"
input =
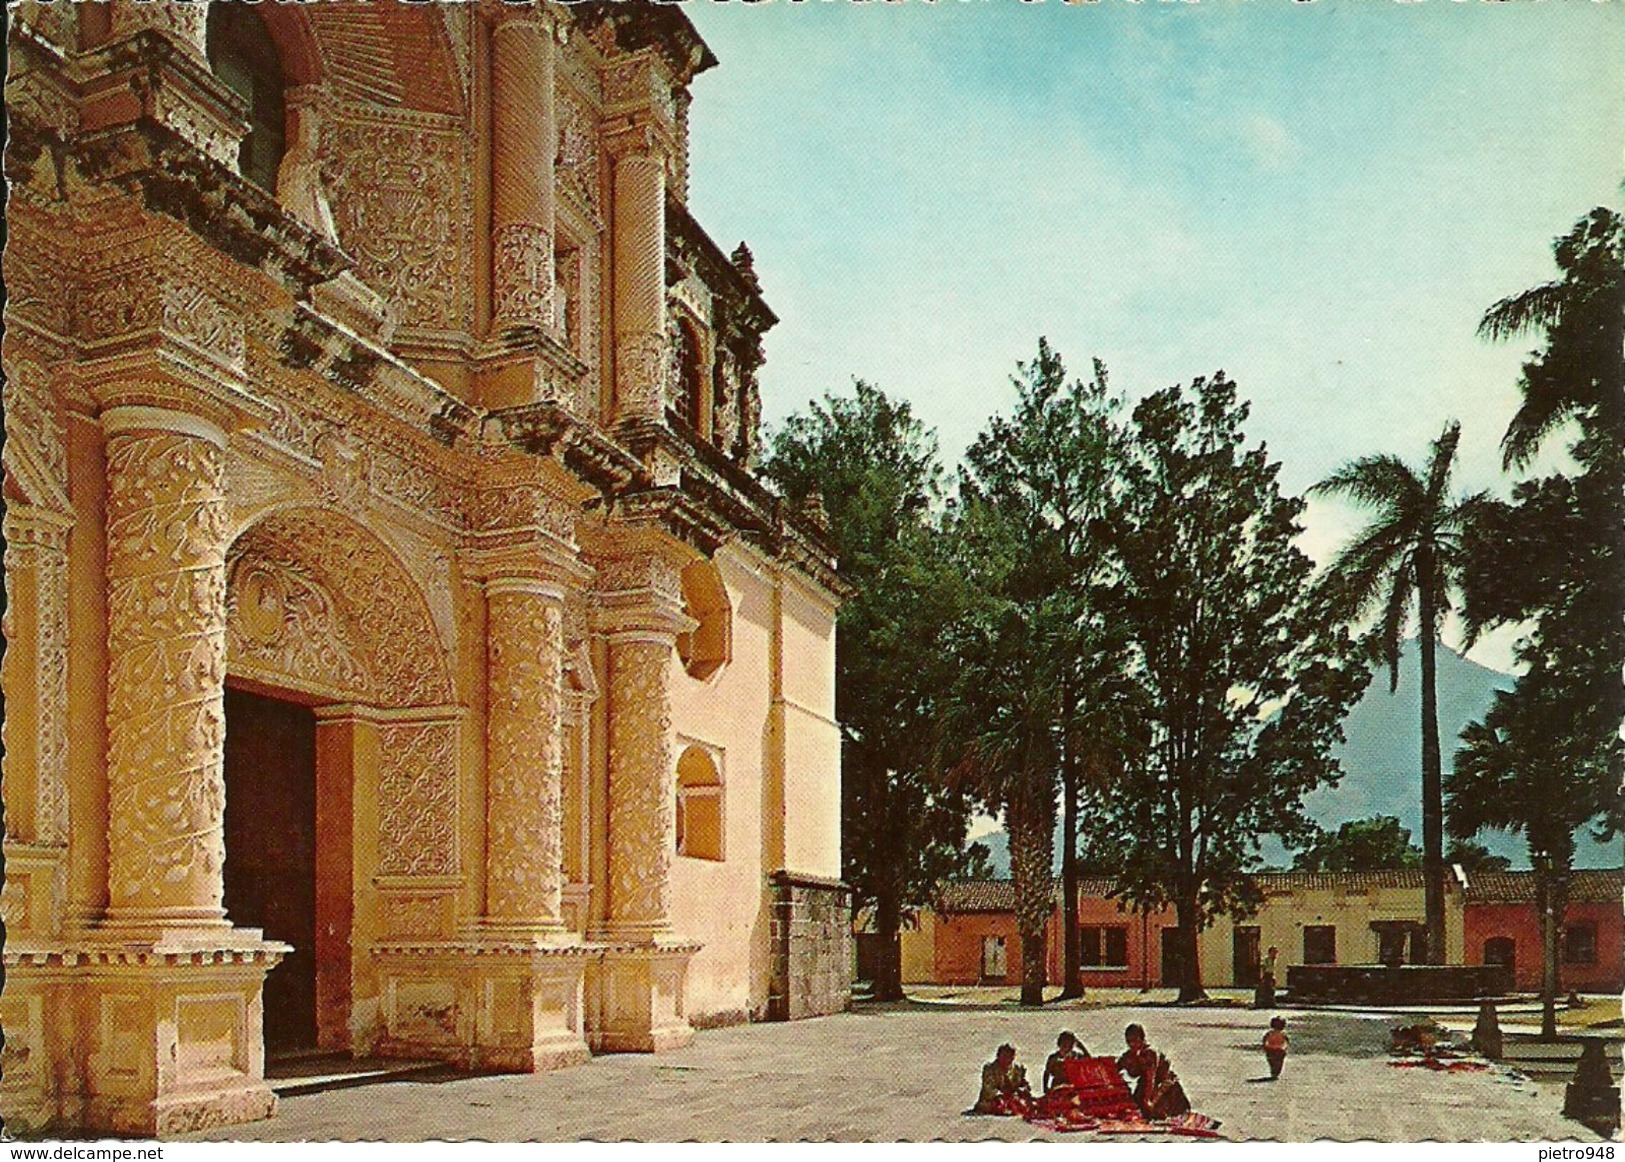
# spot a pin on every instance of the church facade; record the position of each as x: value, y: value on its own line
x: 402, y: 658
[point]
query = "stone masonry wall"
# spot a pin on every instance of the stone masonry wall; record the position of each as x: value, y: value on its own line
x: 812, y: 949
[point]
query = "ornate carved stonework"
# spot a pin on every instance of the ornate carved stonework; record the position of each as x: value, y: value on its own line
x: 522, y: 263
x: 403, y: 210
x: 282, y: 621
x: 417, y: 790
x: 640, y: 373
x: 166, y: 614
x: 577, y: 167
x: 313, y: 569
x: 641, y: 807
x: 524, y: 759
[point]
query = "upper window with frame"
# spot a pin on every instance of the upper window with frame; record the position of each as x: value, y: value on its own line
x: 242, y: 54
x: 1580, y: 944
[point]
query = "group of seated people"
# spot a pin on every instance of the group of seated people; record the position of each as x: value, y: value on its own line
x: 1157, y: 1092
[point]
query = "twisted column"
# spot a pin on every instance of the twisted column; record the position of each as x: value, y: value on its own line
x: 640, y: 284
x: 524, y: 142
x: 524, y: 755
x: 166, y: 615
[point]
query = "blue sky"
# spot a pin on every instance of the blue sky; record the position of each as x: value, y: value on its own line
x: 1319, y: 198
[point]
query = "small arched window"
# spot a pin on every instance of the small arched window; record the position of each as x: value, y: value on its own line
x: 707, y: 647
x: 699, y: 806
x: 242, y: 54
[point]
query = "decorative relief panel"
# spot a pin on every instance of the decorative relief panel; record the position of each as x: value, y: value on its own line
x: 522, y: 272
x: 577, y: 165
x: 330, y: 568
x: 404, y: 211
x: 417, y: 794
x: 281, y: 620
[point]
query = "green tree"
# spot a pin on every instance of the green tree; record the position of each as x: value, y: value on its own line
x: 1049, y: 472
x: 1245, y: 674
x: 874, y: 467
x: 998, y: 730
x: 1374, y: 844
x: 1410, y: 554
x: 1554, y: 554
x: 1531, y: 767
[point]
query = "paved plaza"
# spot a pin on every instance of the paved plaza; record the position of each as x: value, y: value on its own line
x: 907, y: 1073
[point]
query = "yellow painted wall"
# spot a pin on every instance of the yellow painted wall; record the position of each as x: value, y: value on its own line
x: 1283, y: 917
x: 920, y: 950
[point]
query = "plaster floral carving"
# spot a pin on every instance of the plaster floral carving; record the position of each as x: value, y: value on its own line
x: 522, y: 260
x: 641, y: 788
x: 166, y: 614
x: 389, y: 631
x: 524, y: 759
x: 417, y: 792
x: 346, y: 469
x: 400, y: 201
x: 577, y: 164
x: 640, y: 373
x: 281, y: 620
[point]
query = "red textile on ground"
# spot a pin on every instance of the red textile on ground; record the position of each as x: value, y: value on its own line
x: 1097, y: 1099
x: 1094, y: 1088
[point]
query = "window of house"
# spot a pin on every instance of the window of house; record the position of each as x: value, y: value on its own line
x: 242, y: 54
x: 1104, y: 947
x: 699, y: 806
x: 1580, y: 944
x: 1319, y: 944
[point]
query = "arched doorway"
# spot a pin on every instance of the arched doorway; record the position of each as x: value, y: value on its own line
x: 325, y: 628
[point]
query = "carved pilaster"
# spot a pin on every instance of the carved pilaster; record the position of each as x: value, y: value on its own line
x: 299, y: 185
x: 641, y: 614
x: 524, y: 754
x: 185, y: 23
x: 524, y: 140
x: 166, y: 612
x: 640, y: 283
x: 35, y: 668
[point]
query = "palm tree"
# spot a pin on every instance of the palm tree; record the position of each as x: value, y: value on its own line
x: 1410, y: 553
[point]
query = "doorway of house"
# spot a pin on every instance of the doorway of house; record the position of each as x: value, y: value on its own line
x: 1245, y: 959
x: 1171, y: 959
x: 271, y: 851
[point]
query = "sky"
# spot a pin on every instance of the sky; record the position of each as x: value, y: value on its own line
x: 1320, y: 199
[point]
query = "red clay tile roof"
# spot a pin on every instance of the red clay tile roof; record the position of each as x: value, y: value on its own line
x: 1518, y: 887
x: 1362, y: 881
x: 979, y: 896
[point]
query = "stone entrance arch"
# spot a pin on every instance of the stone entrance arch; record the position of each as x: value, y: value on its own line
x: 320, y: 610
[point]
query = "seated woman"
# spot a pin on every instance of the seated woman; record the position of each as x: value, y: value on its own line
x: 1156, y: 1088
x: 1066, y: 1046
x: 1004, y: 1085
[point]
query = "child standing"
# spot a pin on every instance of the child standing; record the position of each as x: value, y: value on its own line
x: 1275, y: 1043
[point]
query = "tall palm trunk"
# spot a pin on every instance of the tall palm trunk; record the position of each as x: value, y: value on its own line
x: 1030, y: 819
x: 1432, y: 776
x: 1545, y: 904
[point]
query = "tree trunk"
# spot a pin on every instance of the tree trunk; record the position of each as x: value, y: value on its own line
x: 1030, y: 818
x: 1545, y: 904
x: 1071, y: 943
x: 1190, y: 960
x: 889, y: 963
x: 1432, y: 778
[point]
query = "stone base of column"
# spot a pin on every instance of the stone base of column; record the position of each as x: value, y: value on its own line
x: 492, y: 1003
x: 139, y: 1040
x: 636, y: 997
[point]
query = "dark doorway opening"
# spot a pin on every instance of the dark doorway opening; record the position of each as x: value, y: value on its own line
x: 1244, y: 959
x: 1172, y: 960
x: 271, y: 851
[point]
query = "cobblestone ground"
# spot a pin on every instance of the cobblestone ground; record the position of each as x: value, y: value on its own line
x: 907, y: 1073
